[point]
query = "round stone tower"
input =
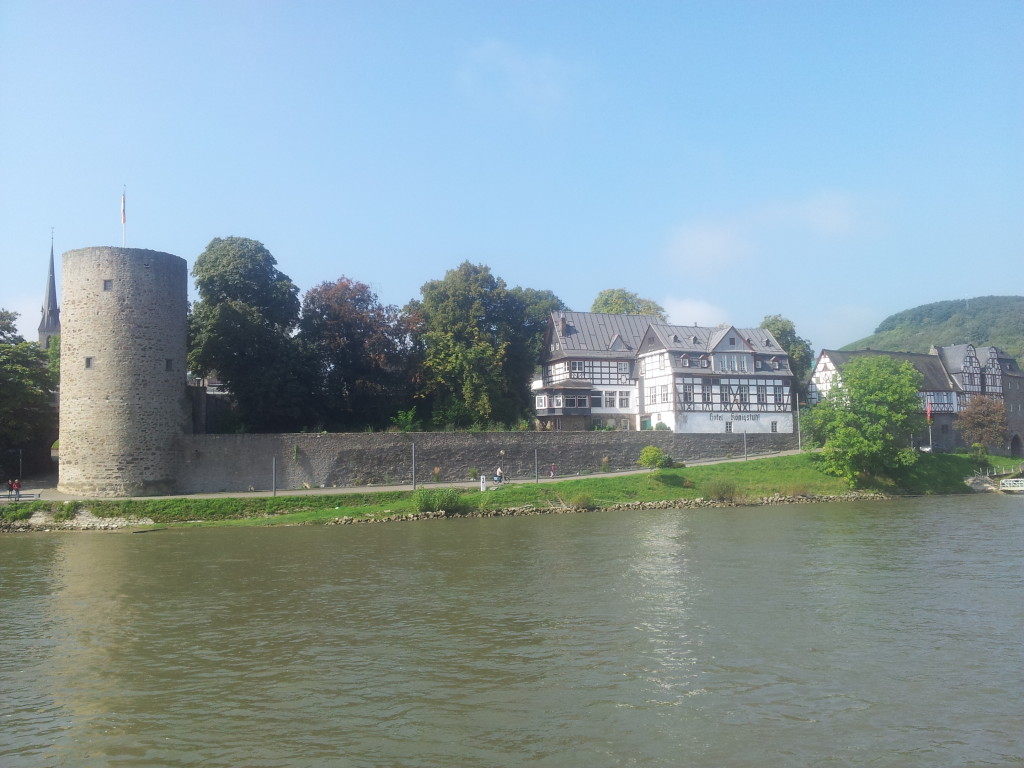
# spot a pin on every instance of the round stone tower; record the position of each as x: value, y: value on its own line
x: 122, y: 371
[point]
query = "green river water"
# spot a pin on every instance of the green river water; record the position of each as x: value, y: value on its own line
x: 853, y: 634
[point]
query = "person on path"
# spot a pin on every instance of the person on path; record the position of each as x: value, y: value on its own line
x: 498, y: 476
x: 10, y: 488
x: 16, y: 485
x: 552, y: 470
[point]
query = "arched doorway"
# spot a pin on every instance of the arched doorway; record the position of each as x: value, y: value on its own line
x: 1016, y: 447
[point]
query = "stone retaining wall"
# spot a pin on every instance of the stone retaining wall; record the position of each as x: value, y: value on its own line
x: 231, y: 463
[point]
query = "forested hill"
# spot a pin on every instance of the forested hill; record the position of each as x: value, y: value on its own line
x: 984, y: 321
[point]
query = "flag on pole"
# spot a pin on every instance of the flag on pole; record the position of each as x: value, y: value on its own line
x: 928, y: 411
x: 123, y: 219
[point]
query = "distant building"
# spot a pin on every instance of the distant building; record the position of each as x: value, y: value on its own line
x: 634, y: 372
x: 49, y: 326
x: 952, y: 376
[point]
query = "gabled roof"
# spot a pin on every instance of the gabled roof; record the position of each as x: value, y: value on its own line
x: 930, y: 366
x: 694, y: 339
x: 595, y: 335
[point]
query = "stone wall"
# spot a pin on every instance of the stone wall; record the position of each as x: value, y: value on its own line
x: 225, y: 463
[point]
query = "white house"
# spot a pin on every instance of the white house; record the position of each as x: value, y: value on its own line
x: 634, y: 372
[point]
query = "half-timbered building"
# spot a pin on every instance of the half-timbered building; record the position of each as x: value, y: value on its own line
x: 710, y: 380
x: 634, y: 372
x: 953, y: 375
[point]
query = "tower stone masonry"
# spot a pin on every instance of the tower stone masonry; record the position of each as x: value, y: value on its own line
x: 123, y: 404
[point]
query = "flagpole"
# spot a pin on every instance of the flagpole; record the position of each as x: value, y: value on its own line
x: 122, y: 215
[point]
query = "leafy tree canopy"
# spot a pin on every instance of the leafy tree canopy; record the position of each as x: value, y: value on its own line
x: 801, y: 356
x: 618, y: 301
x: 867, y: 419
x: 983, y: 421
x: 361, y: 352
x: 480, y: 341
x: 9, y: 328
x: 243, y: 270
x: 241, y: 330
x: 26, y: 384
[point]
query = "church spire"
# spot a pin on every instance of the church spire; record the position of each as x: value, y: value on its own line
x: 50, y: 324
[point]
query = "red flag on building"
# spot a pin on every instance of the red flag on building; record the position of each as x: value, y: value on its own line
x: 928, y: 411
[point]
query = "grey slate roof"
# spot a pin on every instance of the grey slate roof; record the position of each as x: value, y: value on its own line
x: 702, y: 340
x: 935, y: 377
x: 596, y: 335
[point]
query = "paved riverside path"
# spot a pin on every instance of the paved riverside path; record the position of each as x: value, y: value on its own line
x: 45, y: 488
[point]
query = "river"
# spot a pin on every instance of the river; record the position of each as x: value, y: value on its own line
x: 848, y: 634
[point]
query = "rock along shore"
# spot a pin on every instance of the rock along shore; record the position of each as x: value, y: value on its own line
x: 84, y: 520
x: 529, y: 509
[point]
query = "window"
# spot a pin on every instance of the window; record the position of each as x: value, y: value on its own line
x: 778, y: 395
x: 775, y: 426
x: 557, y: 401
x: 623, y: 399
x: 732, y: 341
x: 609, y: 399
x: 622, y: 367
x: 744, y: 393
x: 743, y: 364
x: 704, y: 363
x: 728, y: 426
x: 542, y: 401
x: 168, y: 364
x: 577, y: 369
x: 685, y: 361
x: 108, y: 285
x: 687, y: 393
x: 651, y: 395
x: 762, y: 393
x: 664, y: 393
x: 88, y: 362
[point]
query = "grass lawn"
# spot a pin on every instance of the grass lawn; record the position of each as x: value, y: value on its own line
x: 743, y: 481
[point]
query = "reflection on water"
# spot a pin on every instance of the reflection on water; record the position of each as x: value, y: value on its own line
x: 881, y: 634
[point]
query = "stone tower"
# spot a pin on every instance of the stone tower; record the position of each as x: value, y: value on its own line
x: 122, y: 396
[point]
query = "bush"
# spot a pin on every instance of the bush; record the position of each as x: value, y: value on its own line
x: 581, y: 500
x: 980, y: 455
x: 653, y: 457
x: 436, y: 499
x: 662, y: 426
x: 720, y: 489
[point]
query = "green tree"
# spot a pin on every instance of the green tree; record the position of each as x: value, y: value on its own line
x: 479, y: 345
x: 9, y: 328
x: 361, y: 353
x: 652, y: 457
x: 241, y: 331
x: 27, y: 414
x: 983, y: 421
x: 619, y: 301
x: 801, y: 356
x: 867, y: 419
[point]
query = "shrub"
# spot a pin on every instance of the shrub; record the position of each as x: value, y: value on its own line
x: 720, y: 489
x: 436, y: 499
x: 662, y: 426
x: 581, y: 500
x: 980, y: 455
x: 653, y: 457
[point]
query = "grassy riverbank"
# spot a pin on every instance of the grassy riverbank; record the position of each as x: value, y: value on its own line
x: 741, y: 482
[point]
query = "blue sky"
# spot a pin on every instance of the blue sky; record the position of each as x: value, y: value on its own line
x: 833, y: 162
